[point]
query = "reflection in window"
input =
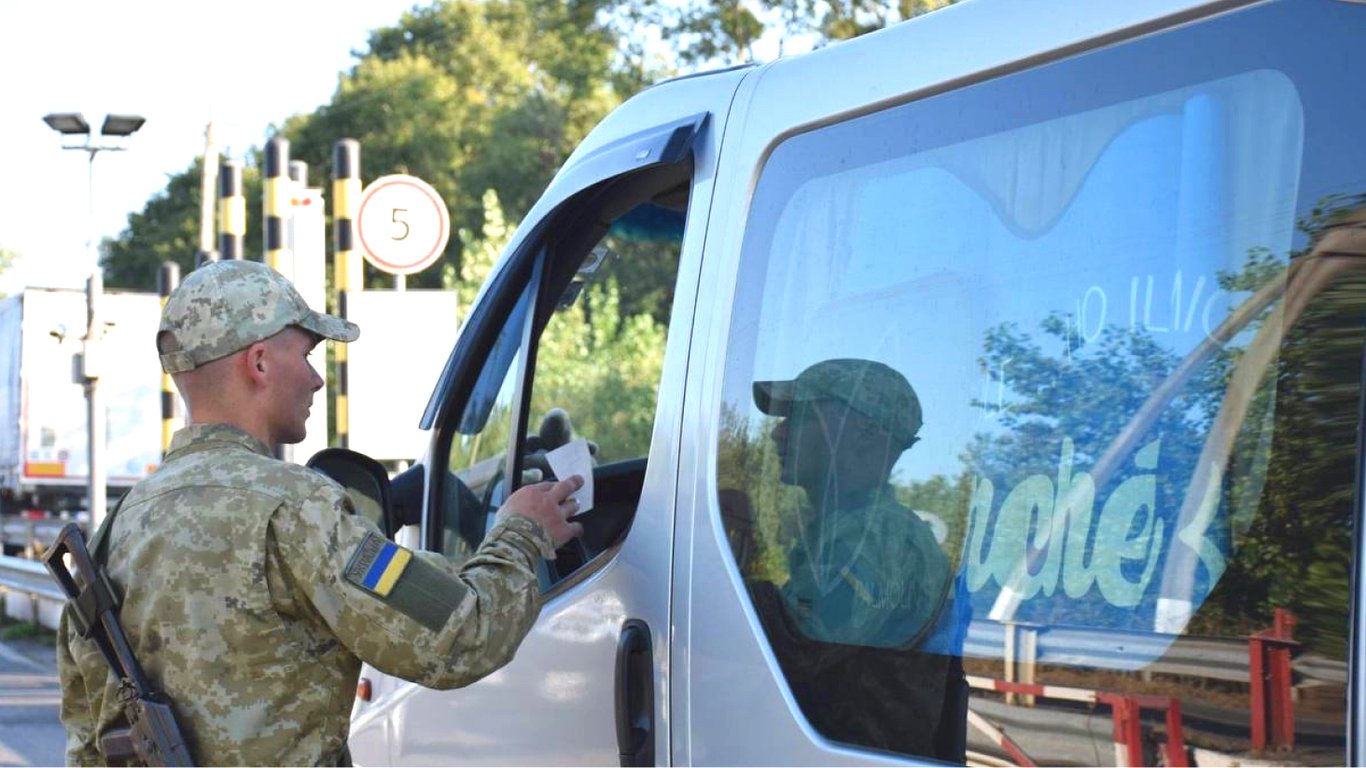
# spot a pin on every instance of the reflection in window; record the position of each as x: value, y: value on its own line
x: 1134, y: 399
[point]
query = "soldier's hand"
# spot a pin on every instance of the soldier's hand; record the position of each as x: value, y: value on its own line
x: 550, y: 505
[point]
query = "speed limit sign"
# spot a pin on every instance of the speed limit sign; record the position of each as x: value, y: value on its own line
x: 403, y: 224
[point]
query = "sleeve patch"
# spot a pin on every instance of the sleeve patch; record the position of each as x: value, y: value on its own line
x: 377, y: 565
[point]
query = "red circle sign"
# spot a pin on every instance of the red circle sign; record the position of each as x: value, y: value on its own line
x: 403, y: 224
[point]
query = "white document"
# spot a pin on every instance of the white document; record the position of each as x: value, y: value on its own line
x: 571, y: 459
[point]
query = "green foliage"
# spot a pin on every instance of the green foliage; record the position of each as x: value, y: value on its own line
x: 470, y: 96
x: 167, y: 229
x: 473, y: 95
x: 1285, y: 519
x: 26, y: 631
x: 759, y: 509
x: 724, y: 32
x: 603, y: 368
x: 480, y: 248
x: 595, y: 360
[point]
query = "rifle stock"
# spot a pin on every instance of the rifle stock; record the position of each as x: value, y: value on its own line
x: 153, y: 737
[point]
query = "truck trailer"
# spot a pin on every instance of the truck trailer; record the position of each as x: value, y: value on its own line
x: 44, y: 459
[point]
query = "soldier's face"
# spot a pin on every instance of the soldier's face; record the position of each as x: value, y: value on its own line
x: 805, y: 444
x: 293, y: 382
x: 831, y: 450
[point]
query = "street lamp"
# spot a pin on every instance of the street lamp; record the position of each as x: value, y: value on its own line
x: 73, y: 124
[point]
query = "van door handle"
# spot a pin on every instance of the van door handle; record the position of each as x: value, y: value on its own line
x: 635, y: 695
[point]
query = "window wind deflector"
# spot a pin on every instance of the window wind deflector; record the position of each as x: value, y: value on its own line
x: 662, y: 145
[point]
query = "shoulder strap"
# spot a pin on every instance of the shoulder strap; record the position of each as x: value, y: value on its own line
x: 99, y: 543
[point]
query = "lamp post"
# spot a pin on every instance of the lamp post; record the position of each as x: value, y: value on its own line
x: 73, y: 124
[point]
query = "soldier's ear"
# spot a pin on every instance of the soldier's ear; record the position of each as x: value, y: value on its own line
x: 255, y: 361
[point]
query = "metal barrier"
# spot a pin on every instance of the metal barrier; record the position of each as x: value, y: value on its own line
x: 1125, y: 714
x: 1213, y: 658
x: 28, y: 577
x: 29, y: 580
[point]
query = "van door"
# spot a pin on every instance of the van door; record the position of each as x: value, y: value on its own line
x: 582, y: 334
x: 1028, y: 427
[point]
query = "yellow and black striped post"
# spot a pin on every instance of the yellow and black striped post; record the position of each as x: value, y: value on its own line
x: 275, y: 198
x: 168, y: 277
x: 232, y: 211
x: 347, y: 274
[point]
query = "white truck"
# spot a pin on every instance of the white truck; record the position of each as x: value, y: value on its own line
x: 44, y: 460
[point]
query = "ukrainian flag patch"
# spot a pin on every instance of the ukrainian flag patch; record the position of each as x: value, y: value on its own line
x: 377, y: 565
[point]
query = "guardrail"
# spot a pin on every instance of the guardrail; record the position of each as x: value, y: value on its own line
x: 27, y: 581
x: 1213, y: 658
x: 28, y: 577
x: 27, y: 533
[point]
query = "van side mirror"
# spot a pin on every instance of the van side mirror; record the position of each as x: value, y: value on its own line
x: 366, y: 480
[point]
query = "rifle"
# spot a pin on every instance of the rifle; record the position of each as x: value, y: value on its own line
x: 152, y: 736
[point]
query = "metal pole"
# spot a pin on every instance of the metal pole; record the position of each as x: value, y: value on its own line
x: 90, y: 359
x: 208, y: 186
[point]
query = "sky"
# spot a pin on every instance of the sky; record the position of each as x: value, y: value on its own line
x: 245, y: 64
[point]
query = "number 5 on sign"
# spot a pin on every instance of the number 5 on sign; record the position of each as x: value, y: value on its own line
x: 403, y: 224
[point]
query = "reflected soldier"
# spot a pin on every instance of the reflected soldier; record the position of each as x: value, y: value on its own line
x: 251, y: 592
x: 860, y: 623
x: 865, y: 570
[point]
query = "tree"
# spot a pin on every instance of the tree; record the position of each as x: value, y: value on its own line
x: 471, y: 96
x: 167, y: 229
x: 723, y: 33
x: 1279, y: 535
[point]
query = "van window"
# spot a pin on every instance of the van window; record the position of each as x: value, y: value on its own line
x: 477, y: 449
x: 588, y: 333
x: 598, y: 363
x: 1051, y: 380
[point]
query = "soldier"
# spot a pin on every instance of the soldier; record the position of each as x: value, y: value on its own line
x: 865, y: 569
x: 867, y: 581
x: 251, y: 592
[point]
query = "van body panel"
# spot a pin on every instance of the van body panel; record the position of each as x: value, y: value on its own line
x: 725, y: 671
x: 565, y: 669
x: 721, y: 697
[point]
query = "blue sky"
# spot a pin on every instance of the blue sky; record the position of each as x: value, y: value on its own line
x: 179, y: 64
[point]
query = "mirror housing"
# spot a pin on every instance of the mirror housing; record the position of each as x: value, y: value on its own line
x: 365, y: 480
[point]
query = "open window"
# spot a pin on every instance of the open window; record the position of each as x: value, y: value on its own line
x: 577, y: 352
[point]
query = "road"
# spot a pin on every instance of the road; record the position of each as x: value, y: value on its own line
x: 30, y: 733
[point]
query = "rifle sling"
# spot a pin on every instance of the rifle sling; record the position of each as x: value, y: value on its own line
x: 98, y: 596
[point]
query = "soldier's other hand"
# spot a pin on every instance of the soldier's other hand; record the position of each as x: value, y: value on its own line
x: 550, y: 505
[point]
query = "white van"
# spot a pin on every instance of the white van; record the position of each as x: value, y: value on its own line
x: 984, y: 389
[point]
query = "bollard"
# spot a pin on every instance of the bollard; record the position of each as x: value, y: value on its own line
x: 347, y: 273
x: 168, y: 278
x: 232, y: 211
x: 275, y: 200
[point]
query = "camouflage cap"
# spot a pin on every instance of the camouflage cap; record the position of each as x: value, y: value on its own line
x: 873, y: 389
x: 226, y: 306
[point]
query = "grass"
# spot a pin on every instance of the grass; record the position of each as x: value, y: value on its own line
x: 25, y: 631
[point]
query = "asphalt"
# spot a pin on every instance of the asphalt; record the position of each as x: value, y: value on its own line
x: 30, y: 733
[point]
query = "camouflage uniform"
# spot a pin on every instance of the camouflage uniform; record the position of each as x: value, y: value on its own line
x: 868, y: 576
x: 252, y: 593
x: 866, y: 586
x: 874, y: 574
